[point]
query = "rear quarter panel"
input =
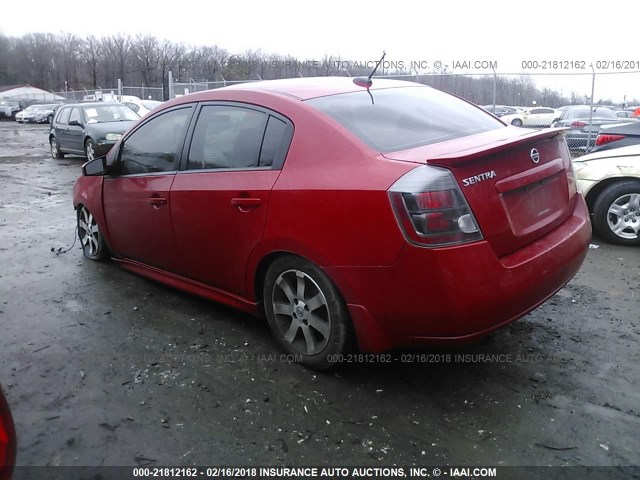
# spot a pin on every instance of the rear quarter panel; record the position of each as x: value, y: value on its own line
x: 330, y: 203
x: 331, y: 198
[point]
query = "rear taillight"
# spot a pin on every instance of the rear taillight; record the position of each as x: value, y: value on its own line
x: 431, y: 209
x: 605, y: 138
x: 578, y: 124
x: 7, y: 440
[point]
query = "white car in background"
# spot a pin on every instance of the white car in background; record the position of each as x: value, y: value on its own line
x: 533, y: 117
x: 141, y: 107
x: 610, y: 183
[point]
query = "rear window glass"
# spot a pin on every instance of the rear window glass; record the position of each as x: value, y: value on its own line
x: 583, y: 112
x: 405, y: 117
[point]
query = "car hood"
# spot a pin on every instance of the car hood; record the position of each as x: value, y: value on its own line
x: 632, y: 150
x: 101, y: 129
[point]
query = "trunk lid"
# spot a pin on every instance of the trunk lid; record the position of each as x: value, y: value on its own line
x: 516, y: 196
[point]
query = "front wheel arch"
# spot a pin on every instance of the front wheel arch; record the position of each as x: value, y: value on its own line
x: 598, y: 188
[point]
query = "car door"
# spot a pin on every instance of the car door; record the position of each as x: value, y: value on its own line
x: 136, y: 196
x: 75, y: 130
x: 61, y: 126
x: 220, y: 198
x: 546, y: 116
x: 530, y: 118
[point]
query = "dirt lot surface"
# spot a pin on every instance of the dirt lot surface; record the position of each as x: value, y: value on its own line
x: 102, y: 367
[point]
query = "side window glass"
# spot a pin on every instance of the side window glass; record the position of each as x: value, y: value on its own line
x: 132, y: 106
x: 227, y: 137
x: 63, y: 118
x: 275, y: 143
x: 154, y: 147
x: 75, y: 115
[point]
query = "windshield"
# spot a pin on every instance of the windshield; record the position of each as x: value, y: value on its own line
x: 109, y: 113
x: 405, y: 117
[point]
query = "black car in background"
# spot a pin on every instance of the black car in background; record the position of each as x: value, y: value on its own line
x: 7, y: 440
x: 500, y: 110
x: 585, y: 122
x: 89, y: 129
x: 617, y: 135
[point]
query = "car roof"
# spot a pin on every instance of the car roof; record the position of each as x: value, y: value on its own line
x: 91, y: 104
x: 312, y: 87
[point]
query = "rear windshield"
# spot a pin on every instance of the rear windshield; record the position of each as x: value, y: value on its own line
x: 583, y: 112
x: 405, y: 117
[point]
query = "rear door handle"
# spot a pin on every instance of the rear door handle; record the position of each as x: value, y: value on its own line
x: 244, y: 202
x: 155, y: 201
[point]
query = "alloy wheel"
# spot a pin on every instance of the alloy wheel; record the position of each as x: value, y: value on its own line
x: 301, y: 311
x: 90, y: 150
x: 88, y: 232
x: 623, y: 216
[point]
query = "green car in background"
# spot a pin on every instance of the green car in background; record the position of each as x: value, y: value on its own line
x: 89, y: 129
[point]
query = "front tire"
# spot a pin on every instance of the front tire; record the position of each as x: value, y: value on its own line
x: 516, y: 122
x: 90, y: 149
x: 306, y: 313
x: 616, y: 213
x: 93, y: 245
x: 55, y: 151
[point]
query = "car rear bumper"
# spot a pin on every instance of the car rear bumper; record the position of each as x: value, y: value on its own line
x: 458, y: 294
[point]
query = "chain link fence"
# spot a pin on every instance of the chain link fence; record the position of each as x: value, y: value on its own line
x: 528, y: 100
x: 114, y: 94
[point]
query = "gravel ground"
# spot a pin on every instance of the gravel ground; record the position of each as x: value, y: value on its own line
x: 102, y: 367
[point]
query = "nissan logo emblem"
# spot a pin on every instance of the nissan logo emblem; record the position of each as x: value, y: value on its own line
x: 535, y: 155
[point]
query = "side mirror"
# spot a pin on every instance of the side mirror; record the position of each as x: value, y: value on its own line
x: 76, y: 123
x: 96, y: 167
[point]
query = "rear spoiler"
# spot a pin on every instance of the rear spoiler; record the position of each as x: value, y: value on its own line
x: 464, y: 156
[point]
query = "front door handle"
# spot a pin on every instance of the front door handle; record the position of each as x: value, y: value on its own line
x: 244, y: 202
x: 157, y: 201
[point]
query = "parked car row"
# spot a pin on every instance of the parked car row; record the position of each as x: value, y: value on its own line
x: 9, y: 107
x: 590, y: 128
x: 584, y: 123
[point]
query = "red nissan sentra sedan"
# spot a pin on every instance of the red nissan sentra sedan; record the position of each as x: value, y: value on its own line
x: 7, y: 440
x: 395, y: 217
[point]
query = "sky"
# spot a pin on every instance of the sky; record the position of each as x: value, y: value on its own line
x: 550, y: 37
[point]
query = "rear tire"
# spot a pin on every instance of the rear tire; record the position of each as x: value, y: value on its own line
x: 616, y: 213
x: 306, y: 313
x: 55, y: 151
